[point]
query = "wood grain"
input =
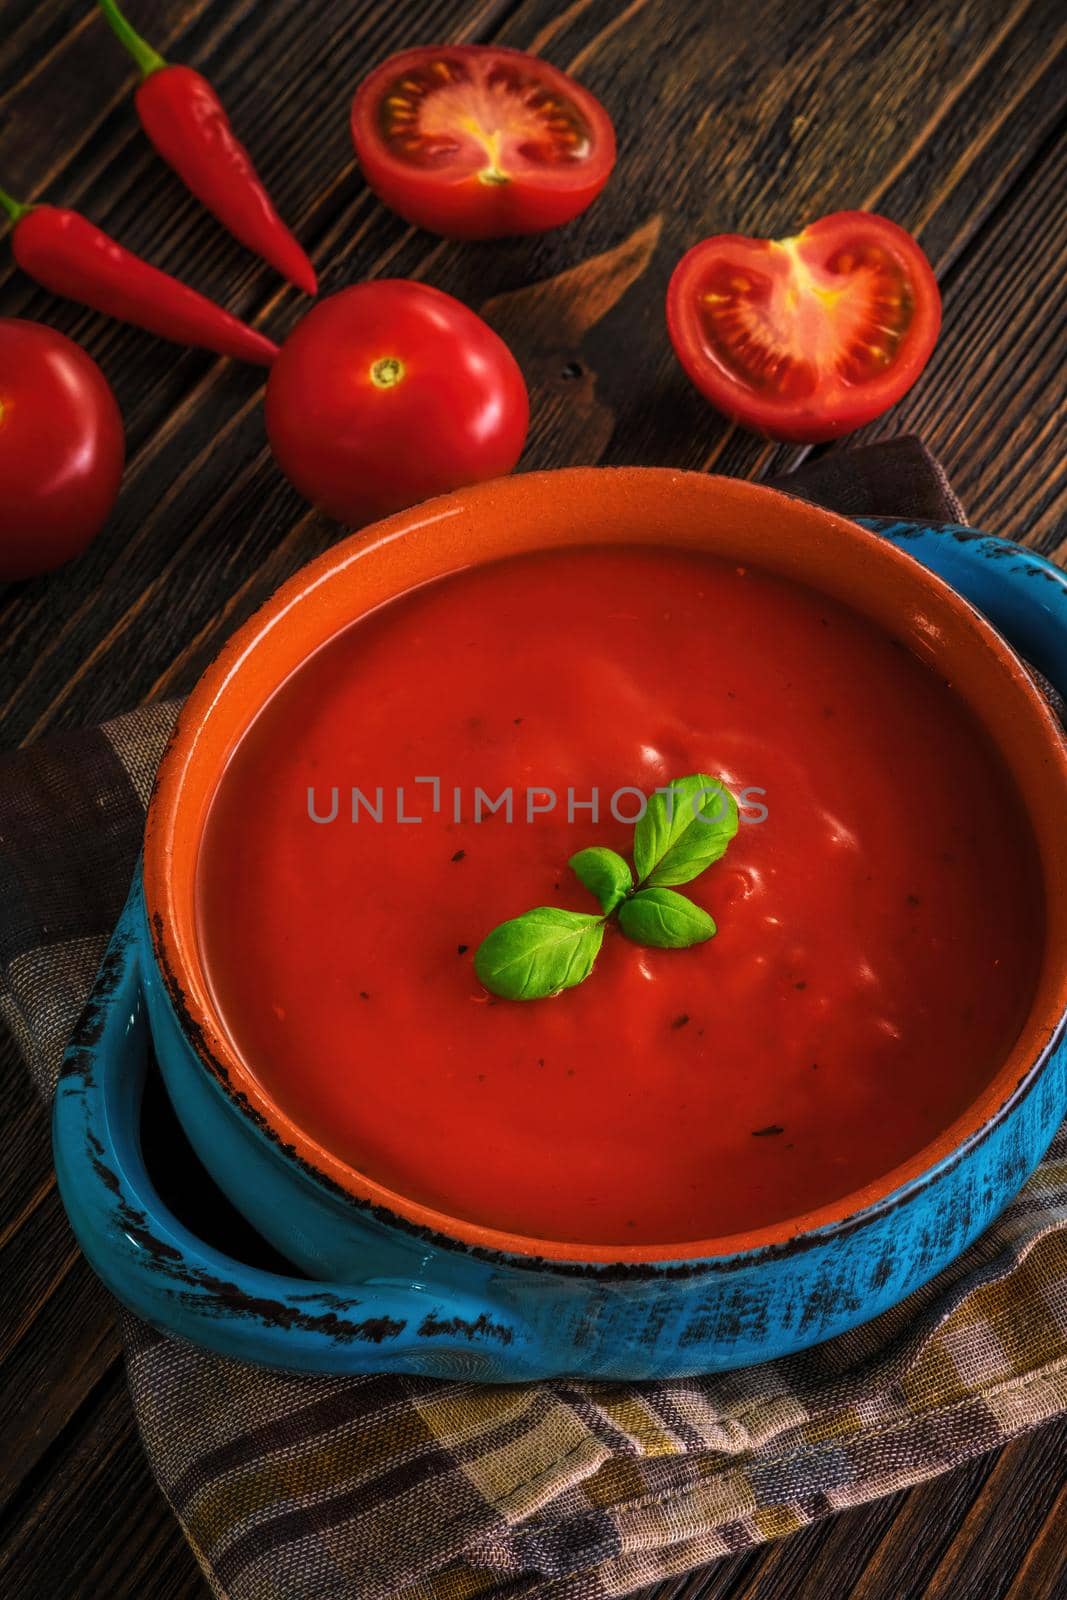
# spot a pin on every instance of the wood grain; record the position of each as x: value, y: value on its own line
x: 57, y: 1326
x: 1005, y: 1515
x: 947, y: 116
x: 1042, y: 1574
x: 999, y: 432
x: 220, y: 491
x: 93, y: 1523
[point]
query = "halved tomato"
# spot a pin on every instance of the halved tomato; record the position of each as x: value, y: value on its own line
x: 475, y: 143
x: 803, y: 339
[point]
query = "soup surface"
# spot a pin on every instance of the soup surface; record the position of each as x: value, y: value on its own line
x: 879, y: 926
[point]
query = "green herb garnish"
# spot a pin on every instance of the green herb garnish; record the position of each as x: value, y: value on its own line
x: 684, y: 829
x: 539, y: 953
x: 664, y: 919
x: 604, y: 873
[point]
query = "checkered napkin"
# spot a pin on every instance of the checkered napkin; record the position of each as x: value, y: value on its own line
x: 318, y: 1488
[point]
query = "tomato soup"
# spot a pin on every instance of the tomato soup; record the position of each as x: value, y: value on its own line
x: 879, y: 913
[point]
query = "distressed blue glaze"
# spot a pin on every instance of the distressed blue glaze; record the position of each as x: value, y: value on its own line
x: 381, y: 1296
x: 1023, y: 595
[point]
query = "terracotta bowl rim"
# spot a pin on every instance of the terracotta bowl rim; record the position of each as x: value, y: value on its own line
x: 205, y: 1033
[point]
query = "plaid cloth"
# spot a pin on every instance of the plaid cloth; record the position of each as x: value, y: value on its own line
x: 317, y: 1488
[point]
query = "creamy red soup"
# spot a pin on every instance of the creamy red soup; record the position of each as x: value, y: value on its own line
x: 879, y: 912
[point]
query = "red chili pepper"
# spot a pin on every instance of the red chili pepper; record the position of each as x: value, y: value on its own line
x: 72, y: 257
x: 185, y: 120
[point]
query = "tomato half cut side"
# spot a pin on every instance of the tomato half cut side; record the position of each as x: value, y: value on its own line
x: 478, y: 143
x: 804, y: 339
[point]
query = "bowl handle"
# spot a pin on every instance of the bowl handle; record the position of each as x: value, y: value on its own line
x: 1023, y: 595
x: 159, y: 1269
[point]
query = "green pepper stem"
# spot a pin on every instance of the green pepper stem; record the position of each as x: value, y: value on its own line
x: 14, y: 208
x: 147, y: 59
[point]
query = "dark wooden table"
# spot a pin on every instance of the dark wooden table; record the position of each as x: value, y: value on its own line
x: 947, y: 115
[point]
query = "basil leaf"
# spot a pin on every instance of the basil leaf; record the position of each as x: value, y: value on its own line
x: 539, y: 953
x: 678, y: 837
x: 665, y: 920
x: 604, y: 874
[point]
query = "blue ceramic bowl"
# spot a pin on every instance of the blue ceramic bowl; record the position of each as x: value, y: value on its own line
x: 383, y: 1292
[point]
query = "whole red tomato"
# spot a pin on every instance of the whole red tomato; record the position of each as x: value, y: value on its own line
x: 61, y: 448
x: 391, y: 392
x: 475, y: 141
x: 803, y: 339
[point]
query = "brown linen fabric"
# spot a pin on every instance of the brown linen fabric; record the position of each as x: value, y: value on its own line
x: 401, y: 1488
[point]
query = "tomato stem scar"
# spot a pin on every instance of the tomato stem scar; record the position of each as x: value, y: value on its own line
x: 387, y: 372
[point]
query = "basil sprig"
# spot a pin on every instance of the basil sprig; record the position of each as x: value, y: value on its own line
x: 605, y: 874
x: 664, y: 919
x: 685, y: 828
x: 541, y: 952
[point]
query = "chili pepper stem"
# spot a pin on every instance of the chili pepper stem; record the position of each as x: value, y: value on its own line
x: 147, y: 59
x: 14, y: 208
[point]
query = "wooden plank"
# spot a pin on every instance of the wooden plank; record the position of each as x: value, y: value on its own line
x: 32, y: 33
x: 114, y: 610
x: 1043, y: 1573
x: 67, y: 1344
x: 57, y: 1335
x: 926, y: 1521
x: 924, y: 1544
x: 185, y: 402
x: 1016, y: 1498
x: 993, y: 401
x: 849, y: 1558
x: 286, y: 85
x: 773, y: 120
x: 92, y: 1523
x: 983, y: 132
x: 26, y: 1149
x: 63, y: 79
